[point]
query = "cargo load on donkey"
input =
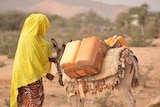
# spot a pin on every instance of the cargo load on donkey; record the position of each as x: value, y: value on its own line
x: 93, y: 65
x: 116, y: 41
x: 83, y: 58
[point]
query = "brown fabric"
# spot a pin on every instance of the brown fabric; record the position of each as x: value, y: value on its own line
x: 31, y: 95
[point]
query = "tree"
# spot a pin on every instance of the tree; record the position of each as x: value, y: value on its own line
x: 142, y: 17
x: 142, y: 13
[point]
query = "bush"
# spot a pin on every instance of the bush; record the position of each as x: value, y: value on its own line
x: 8, y: 42
x: 12, y: 20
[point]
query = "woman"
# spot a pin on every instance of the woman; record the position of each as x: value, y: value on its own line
x: 31, y: 63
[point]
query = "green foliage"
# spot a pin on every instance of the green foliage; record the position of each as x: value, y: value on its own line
x: 139, y: 24
x: 80, y: 26
x: 139, y: 42
x: 121, y: 20
x: 152, y: 30
x: 8, y: 42
x: 11, y: 20
x: 83, y: 25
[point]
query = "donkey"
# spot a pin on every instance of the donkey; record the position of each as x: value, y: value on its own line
x: 124, y: 82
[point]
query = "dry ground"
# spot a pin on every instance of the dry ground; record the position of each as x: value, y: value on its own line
x: 149, y: 61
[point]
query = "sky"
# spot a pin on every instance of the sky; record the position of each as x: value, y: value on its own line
x: 154, y: 5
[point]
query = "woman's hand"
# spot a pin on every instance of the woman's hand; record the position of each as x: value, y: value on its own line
x: 50, y: 76
x: 54, y: 59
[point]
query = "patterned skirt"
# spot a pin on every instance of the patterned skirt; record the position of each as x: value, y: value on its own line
x: 31, y: 95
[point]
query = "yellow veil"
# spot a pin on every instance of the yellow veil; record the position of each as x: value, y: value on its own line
x: 31, y: 60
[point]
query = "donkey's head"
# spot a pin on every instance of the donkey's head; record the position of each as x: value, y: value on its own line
x: 59, y: 52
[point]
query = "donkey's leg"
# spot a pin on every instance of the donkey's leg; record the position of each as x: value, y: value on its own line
x: 125, y: 86
x: 76, y: 101
x: 73, y: 101
x: 81, y: 102
x: 128, y: 98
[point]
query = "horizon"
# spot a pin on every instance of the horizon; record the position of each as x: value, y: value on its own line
x: 153, y: 6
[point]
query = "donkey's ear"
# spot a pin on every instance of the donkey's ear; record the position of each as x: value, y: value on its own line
x: 55, y: 44
x: 63, y: 46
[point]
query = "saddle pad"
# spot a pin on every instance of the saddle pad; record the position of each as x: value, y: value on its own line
x: 110, y: 64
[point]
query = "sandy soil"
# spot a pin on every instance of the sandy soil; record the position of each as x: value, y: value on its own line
x: 149, y: 60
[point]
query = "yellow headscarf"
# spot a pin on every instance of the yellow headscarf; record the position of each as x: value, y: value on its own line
x: 31, y: 60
